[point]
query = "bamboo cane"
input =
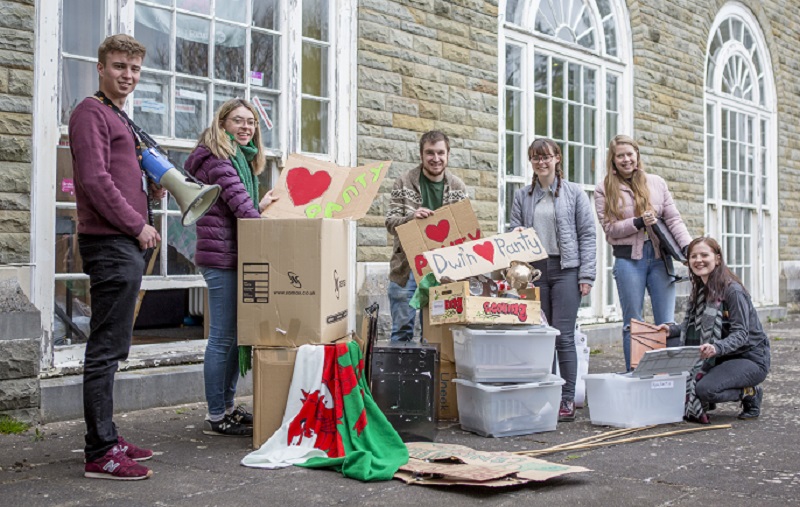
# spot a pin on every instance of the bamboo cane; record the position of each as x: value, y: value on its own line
x: 594, y: 438
x: 592, y: 445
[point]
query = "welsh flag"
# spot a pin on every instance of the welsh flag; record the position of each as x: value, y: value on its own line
x: 331, y: 420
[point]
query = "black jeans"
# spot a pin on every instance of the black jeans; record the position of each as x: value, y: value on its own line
x: 115, y: 265
x: 725, y: 381
x: 561, y: 297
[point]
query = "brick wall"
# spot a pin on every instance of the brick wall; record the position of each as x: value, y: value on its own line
x: 16, y: 92
x: 422, y: 65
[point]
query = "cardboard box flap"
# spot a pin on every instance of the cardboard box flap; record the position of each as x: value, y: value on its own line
x: 485, y: 255
x: 674, y: 360
x: 311, y: 188
x: 448, y: 226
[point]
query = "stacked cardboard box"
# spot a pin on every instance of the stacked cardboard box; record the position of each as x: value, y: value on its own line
x: 296, y: 273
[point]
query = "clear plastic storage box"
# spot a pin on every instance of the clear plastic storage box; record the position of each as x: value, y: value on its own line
x: 654, y: 393
x: 505, y: 410
x: 504, y: 354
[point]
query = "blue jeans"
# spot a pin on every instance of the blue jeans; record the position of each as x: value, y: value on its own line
x: 403, y: 315
x: 633, y: 276
x: 115, y: 265
x: 221, y: 363
x: 560, y: 295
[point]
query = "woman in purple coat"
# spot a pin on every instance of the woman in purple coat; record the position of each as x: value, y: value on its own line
x: 229, y: 153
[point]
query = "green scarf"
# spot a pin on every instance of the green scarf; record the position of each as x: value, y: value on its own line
x: 241, y: 162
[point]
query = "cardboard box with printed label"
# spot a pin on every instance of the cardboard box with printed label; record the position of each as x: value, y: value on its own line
x: 452, y: 304
x: 294, y: 272
x: 272, y: 375
x: 293, y: 276
x: 447, y: 401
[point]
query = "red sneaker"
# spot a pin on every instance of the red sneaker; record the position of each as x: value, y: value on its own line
x: 133, y: 452
x: 115, y: 465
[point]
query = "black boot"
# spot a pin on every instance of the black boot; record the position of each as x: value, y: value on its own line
x: 751, y: 404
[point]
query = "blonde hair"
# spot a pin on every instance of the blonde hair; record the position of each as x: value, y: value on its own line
x: 216, y: 139
x: 637, y: 183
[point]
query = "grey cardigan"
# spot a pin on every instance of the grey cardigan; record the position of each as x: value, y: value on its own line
x: 575, y: 228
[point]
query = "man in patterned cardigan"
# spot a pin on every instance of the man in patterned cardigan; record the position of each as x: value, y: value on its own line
x: 415, y: 195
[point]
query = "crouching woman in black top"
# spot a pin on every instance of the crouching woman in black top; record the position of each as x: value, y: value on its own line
x: 734, y: 349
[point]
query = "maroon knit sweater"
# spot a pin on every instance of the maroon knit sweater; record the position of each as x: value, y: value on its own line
x: 108, y: 180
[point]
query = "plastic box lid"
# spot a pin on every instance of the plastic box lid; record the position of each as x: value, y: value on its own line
x: 509, y: 329
x: 670, y: 361
x: 495, y: 387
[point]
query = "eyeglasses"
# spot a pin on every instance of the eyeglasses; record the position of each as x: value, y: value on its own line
x: 239, y: 121
x: 543, y: 158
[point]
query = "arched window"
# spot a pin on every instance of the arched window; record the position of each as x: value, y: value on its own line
x: 741, y: 208
x: 567, y: 76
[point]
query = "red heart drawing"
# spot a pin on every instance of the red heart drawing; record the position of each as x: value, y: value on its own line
x: 304, y: 187
x: 485, y: 250
x: 438, y: 232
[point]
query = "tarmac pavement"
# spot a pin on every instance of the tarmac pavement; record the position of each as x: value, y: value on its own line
x: 754, y: 463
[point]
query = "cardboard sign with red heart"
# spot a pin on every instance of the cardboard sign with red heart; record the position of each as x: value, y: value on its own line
x: 312, y: 188
x: 485, y: 255
x: 449, y: 225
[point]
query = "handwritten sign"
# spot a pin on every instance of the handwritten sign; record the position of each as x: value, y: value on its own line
x: 448, y: 226
x: 311, y: 188
x: 485, y: 255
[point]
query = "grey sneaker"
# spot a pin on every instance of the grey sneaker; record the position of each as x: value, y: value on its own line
x: 227, y: 427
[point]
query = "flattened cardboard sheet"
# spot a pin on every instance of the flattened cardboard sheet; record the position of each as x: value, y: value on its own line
x: 449, y: 225
x: 312, y: 188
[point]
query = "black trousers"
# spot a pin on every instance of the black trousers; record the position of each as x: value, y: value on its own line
x: 115, y: 265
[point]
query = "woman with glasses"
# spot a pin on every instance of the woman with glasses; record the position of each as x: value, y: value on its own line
x: 229, y: 153
x: 560, y: 213
x: 628, y: 203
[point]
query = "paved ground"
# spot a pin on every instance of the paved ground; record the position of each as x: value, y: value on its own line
x: 754, y: 463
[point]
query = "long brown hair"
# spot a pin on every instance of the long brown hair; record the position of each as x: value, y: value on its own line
x: 637, y: 183
x: 544, y: 146
x: 718, y: 279
x: 216, y: 139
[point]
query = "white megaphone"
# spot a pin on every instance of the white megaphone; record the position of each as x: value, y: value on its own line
x: 194, y: 199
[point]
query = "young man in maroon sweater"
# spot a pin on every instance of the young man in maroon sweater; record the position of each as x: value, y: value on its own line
x: 113, y: 234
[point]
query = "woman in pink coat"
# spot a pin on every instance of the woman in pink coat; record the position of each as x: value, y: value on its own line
x: 629, y: 202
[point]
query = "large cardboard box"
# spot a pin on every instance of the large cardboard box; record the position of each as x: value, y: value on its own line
x: 272, y: 376
x: 438, y: 335
x: 449, y: 225
x: 293, y: 286
x: 452, y: 304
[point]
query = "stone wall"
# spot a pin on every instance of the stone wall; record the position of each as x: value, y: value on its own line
x: 16, y: 98
x: 20, y: 334
x: 422, y: 65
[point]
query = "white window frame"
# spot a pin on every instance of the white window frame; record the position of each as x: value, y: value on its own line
x: 621, y: 66
x: 764, y: 266
x: 47, y: 133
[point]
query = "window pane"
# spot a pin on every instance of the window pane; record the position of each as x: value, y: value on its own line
x: 588, y: 166
x: 229, y: 53
x: 264, y: 60
x: 315, y: 70
x: 611, y: 93
x: 78, y: 80
x: 223, y: 94
x: 515, y: 157
x: 82, y: 26
x: 265, y: 14
x: 192, y: 45
x: 315, y: 19
x: 198, y: 6
x: 152, y: 28
x: 68, y: 257
x: 151, y: 104
x: 540, y: 74
x: 269, y: 132
x: 190, y: 108
x: 588, y: 125
x: 72, y: 304
x: 181, y: 243
x: 574, y: 122
x: 231, y: 10
x: 65, y: 178
x: 513, y: 62
x: 558, y: 78
x: 314, y: 132
x: 559, y: 109
x: 574, y: 82
x: 511, y: 189
x: 541, y: 116
x: 589, y: 94
x: 513, y: 111
x: 610, y: 37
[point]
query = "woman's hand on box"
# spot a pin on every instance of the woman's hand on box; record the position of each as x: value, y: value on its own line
x: 267, y: 200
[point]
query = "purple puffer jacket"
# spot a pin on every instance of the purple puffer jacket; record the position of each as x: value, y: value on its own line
x: 216, y: 231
